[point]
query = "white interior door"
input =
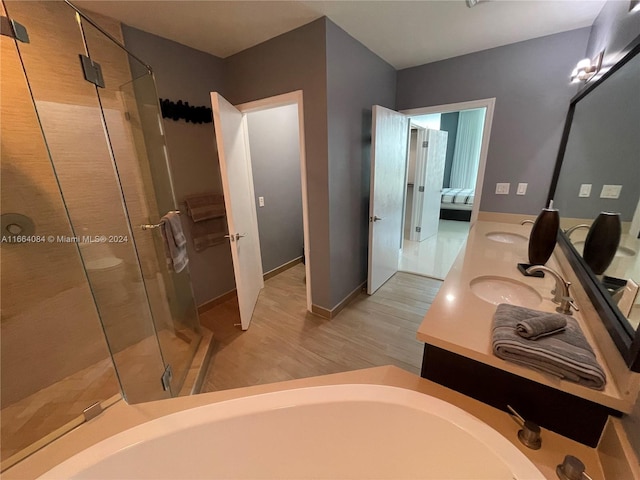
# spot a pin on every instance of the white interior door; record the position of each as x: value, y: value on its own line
x: 237, y: 183
x: 428, y: 186
x: 390, y: 134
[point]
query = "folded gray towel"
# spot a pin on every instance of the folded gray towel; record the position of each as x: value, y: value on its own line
x: 174, y: 241
x: 208, y: 233
x: 205, y: 206
x: 567, y: 354
x: 541, y: 324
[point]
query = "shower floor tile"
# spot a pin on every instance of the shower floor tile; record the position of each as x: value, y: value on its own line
x: 24, y: 422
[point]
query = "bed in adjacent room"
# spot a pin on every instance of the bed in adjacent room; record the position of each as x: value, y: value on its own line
x: 456, y: 203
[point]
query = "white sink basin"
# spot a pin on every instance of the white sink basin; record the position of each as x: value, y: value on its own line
x: 506, y: 237
x: 621, y: 252
x: 498, y: 290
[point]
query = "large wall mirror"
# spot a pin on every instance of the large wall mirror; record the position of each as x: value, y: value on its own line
x: 600, y: 151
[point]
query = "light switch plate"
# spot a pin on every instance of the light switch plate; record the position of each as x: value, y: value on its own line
x: 585, y: 190
x: 261, y: 201
x: 611, y: 191
x: 502, y: 188
x: 522, y: 189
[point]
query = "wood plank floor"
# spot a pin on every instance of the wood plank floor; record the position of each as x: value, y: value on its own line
x: 285, y: 342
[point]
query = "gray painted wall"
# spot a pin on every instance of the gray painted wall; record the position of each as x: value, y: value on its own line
x: 340, y: 79
x: 293, y: 61
x: 356, y: 80
x: 183, y: 73
x: 530, y: 81
x: 449, y: 124
x: 604, y: 148
x: 275, y: 160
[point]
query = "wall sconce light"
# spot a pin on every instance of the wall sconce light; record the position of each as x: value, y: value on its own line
x: 587, y: 68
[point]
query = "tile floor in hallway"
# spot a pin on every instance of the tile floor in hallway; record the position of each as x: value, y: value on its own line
x: 434, y: 256
x: 285, y: 342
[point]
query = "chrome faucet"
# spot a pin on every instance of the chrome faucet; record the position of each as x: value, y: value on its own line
x: 572, y: 469
x: 569, y: 231
x: 529, y: 436
x: 561, y: 292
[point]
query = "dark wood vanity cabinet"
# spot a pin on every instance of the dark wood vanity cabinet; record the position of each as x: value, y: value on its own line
x: 564, y: 413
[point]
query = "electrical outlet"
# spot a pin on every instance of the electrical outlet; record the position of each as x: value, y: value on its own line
x: 502, y: 188
x: 261, y: 201
x: 585, y: 190
x: 522, y: 189
x: 611, y: 191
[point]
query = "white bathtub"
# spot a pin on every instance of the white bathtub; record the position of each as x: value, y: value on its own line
x: 331, y: 432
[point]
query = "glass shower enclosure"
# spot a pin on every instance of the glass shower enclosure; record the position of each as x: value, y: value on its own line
x: 90, y: 308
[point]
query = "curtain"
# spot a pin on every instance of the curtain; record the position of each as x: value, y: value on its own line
x: 466, y: 154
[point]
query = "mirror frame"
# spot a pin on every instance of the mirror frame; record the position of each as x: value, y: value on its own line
x: 625, y: 338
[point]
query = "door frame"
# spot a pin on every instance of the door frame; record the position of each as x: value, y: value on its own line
x: 291, y: 98
x: 489, y: 104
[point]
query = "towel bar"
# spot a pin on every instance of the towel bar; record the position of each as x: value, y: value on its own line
x: 147, y: 226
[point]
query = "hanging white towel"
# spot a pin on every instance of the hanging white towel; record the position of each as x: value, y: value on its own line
x: 174, y: 241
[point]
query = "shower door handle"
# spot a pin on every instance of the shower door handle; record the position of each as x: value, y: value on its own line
x: 159, y: 224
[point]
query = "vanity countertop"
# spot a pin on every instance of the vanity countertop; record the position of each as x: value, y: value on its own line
x: 460, y: 322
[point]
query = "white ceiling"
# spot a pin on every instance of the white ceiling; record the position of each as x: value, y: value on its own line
x: 404, y: 33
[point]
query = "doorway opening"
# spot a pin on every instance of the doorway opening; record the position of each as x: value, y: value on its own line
x: 262, y: 159
x: 447, y: 165
x: 441, y: 151
x: 276, y: 149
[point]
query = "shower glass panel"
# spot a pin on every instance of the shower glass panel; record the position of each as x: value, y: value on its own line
x: 82, y: 168
x: 134, y: 123
x: 72, y: 119
x: 54, y: 361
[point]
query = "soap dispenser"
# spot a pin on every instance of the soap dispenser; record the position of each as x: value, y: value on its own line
x: 602, y: 242
x: 544, y: 235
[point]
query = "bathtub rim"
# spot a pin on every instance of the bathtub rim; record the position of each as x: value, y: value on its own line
x: 516, y: 461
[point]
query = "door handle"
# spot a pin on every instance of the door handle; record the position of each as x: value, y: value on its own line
x: 234, y: 237
x: 375, y: 218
